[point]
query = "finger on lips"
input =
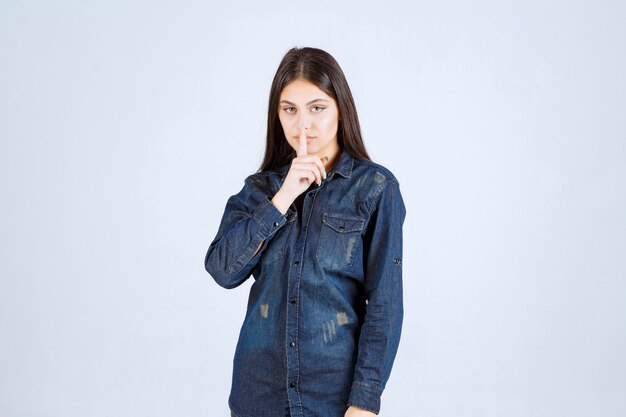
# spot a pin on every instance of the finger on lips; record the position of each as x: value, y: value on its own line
x: 319, y: 169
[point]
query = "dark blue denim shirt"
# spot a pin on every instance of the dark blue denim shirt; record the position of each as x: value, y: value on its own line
x: 325, y: 311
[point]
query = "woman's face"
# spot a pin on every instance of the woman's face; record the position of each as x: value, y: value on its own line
x: 302, y: 102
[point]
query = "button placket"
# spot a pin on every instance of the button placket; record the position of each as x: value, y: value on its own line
x: 293, y: 285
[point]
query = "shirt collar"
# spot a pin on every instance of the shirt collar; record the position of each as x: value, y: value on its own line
x: 344, y: 165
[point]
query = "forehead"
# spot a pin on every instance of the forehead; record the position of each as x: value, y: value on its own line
x: 302, y: 90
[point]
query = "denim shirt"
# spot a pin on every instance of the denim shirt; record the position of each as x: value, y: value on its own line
x: 324, y: 313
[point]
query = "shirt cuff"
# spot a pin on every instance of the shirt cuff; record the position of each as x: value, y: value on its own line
x: 365, y: 396
x: 269, y: 218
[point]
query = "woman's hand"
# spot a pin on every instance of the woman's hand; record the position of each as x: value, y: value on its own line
x: 305, y: 169
x: 353, y: 411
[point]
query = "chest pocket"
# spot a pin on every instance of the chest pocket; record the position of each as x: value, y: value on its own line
x: 340, y: 245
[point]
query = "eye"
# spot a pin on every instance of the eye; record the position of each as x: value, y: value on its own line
x: 320, y: 109
x: 289, y: 110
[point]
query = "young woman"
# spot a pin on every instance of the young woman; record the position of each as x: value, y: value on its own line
x: 319, y: 227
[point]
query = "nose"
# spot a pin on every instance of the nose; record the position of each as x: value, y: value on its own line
x: 304, y: 121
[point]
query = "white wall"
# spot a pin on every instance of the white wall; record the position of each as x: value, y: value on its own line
x: 126, y: 125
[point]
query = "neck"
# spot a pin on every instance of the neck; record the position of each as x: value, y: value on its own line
x: 333, y: 158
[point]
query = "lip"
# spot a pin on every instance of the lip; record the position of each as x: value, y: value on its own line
x: 308, y: 138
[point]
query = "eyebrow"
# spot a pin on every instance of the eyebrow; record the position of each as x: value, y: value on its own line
x: 309, y: 103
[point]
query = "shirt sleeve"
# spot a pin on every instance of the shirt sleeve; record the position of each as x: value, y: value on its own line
x: 381, y: 328
x: 249, y: 218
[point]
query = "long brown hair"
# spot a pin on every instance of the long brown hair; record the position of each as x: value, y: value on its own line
x: 321, y: 69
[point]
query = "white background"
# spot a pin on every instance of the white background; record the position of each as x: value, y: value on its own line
x: 126, y: 125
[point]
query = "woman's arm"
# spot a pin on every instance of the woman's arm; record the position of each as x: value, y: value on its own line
x: 249, y: 219
x: 381, y: 328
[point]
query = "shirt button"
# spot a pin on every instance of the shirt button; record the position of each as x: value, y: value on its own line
x: 293, y: 301
x: 296, y: 262
x: 275, y: 224
x: 291, y: 385
x: 292, y: 344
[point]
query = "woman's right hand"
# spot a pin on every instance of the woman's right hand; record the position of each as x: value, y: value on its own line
x: 305, y: 169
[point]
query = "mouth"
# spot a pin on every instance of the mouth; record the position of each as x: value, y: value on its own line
x: 308, y: 138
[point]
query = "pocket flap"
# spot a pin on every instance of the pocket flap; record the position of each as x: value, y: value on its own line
x: 342, y: 223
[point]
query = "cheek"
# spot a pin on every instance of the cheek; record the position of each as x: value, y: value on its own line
x: 328, y: 123
x: 286, y: 123
x: 287, y: 130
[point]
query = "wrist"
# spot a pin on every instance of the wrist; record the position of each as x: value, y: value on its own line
x: 354, y: 411
x: 282, y: 201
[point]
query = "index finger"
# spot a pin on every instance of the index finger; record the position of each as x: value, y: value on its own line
x: 302, y: 148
